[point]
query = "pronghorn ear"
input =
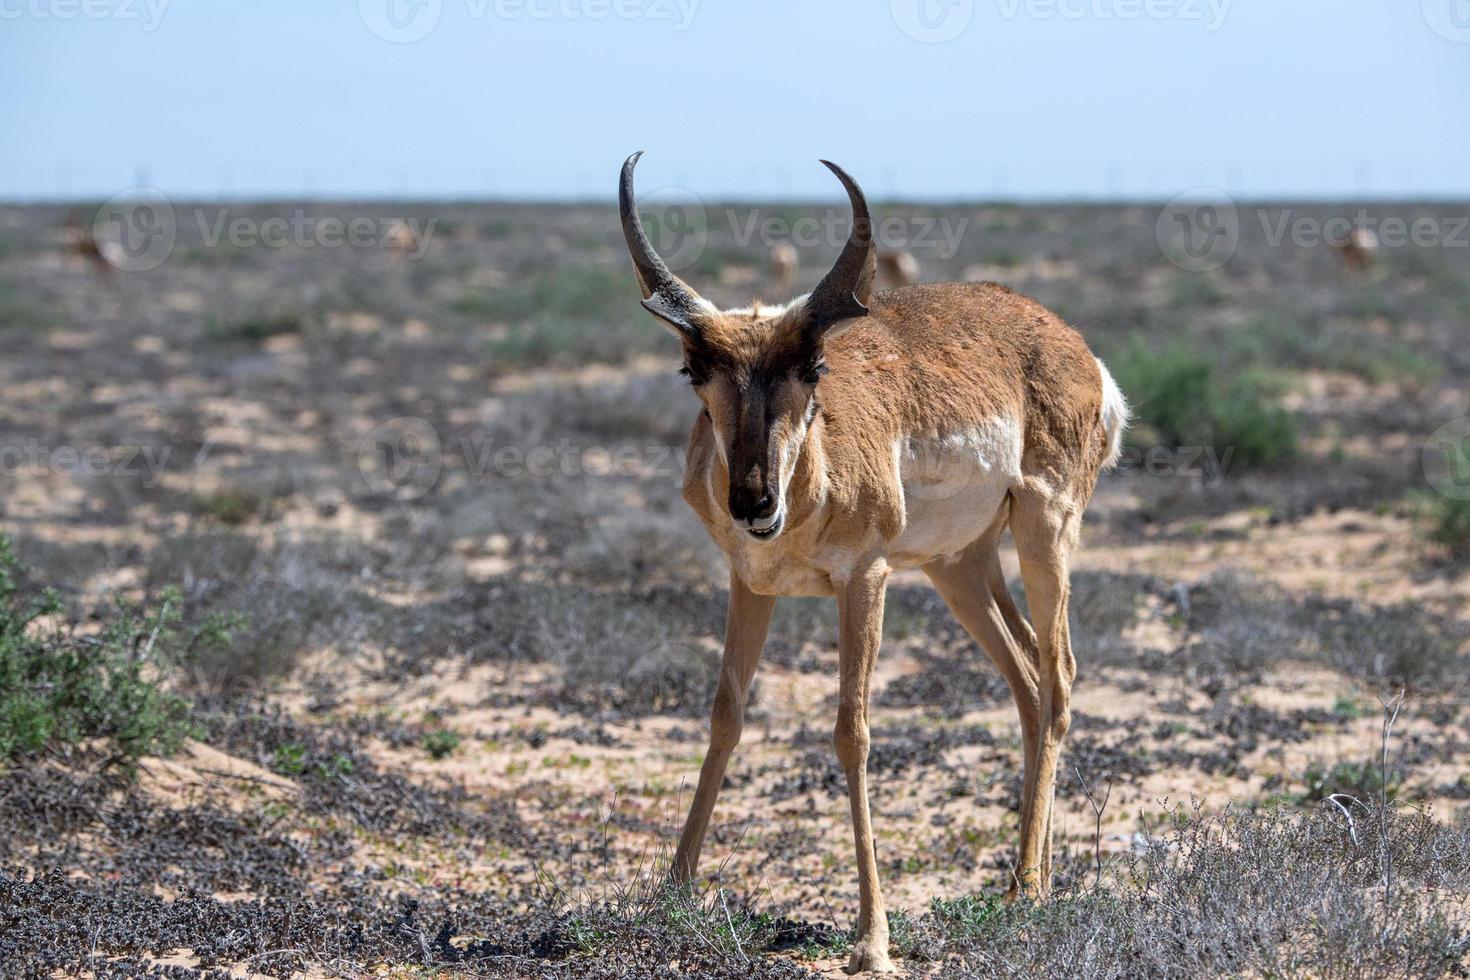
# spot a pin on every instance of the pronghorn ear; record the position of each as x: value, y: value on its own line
x: 680, y: 320
x: 837, y: 329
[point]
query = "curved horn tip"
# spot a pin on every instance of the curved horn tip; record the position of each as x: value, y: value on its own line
x: 833, y: 167
x: 848, y: 183
x: 628, y: 166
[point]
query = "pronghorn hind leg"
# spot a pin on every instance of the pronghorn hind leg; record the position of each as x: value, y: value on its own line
x: 1045, y: 530
x: 973, y: 586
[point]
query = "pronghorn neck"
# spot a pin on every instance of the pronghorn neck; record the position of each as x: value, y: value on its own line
x: 807, y: 487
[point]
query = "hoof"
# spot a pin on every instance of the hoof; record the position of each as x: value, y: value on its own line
x: 870, y: 956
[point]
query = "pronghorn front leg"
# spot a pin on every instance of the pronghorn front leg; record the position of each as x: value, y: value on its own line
x: 746, y: 623
x: 860, y: 618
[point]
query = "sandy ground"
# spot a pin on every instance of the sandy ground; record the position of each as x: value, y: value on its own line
x: 264, y: 426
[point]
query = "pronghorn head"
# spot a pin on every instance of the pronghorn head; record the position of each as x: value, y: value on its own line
x: 757, y: 369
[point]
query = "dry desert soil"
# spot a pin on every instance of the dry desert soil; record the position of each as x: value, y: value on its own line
x: 447, y: 703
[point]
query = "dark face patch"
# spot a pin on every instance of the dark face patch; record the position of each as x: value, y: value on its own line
x: 757, y: 396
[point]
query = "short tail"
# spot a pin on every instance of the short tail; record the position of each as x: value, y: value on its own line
x: 1114, y: 416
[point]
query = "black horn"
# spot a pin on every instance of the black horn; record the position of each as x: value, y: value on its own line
x: 843, y: 292
x: 664, y: 294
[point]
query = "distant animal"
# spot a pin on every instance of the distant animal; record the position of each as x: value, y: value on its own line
x: 783, y: 261
x: 78, y: 238
x: 1357, y: 250
x: 851, y: 432
x: 897, y: 268
x: 401, y: 239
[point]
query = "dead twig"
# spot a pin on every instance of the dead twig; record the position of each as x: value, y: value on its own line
x: 1391, y: 709
x: 1097, y: 815
x: 1347, y: 815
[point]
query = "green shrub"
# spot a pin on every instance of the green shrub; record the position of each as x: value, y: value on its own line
x: 1360, y: 780
x: 1450, y: 523
x: 1179, y: 399
x: 232, y: 506
x: 58, y: 688
x: 1449, y: 517
x: 1349, y: 708
x: 966, y: 914
x: 252, y: 329
x: 441, y: 742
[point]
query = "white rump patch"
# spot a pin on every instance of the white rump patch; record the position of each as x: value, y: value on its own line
x: 1114, y: 415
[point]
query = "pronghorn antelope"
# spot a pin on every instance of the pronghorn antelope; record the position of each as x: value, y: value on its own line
x: 897, y: 268
x: 849, y: 433
x: 1357, y: 249
x: 783, y: 262
x: 401, y: 239
x: 79, y: 239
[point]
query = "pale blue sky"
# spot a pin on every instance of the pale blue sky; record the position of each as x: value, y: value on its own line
x: 519, y: 98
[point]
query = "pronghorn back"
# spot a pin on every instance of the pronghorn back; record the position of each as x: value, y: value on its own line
x: 949, y: 361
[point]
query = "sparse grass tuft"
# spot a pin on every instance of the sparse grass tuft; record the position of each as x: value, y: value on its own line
x: 1274, y: 338
x: 632, y: 654
x: 1244, y: 626
x: 17, y: 311
x: 232, y: 506
x: 252, y: 329
x: 1241, y: 893
x: 571, y: 314
x: 260, y: 609
x: 1349, y: 708
x: 579, y: 292
x: 1195, y: 290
